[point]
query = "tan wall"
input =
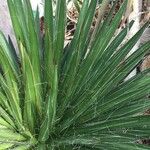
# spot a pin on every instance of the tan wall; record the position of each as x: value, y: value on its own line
x: 5, y: 21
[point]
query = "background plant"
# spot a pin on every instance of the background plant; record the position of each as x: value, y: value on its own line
x: 75, y: 97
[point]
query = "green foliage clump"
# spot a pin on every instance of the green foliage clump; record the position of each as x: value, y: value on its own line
x: 75, y: 97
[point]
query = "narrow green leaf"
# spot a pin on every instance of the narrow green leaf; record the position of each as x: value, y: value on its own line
x: 31, y: 104
x: 4, y: 146
x: 59, y: 34
x: 50, y: 114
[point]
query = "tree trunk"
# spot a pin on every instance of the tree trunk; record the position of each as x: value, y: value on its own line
x: 146, y: 37
x: 136, y: 16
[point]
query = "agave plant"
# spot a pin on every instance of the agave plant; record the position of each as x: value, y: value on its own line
x: 75, y: 97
